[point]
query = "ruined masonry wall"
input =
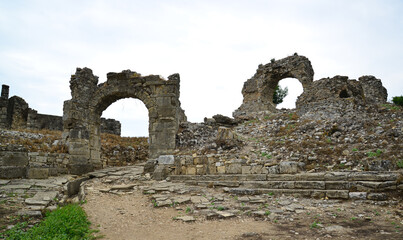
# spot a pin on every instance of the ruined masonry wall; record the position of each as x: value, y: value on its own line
x: 82, y: 113
x: 16, y: 114
x: 18, y: 163
x: 319, y: 98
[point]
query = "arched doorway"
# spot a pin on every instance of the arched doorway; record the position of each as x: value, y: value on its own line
x: 82, y: 114
x: 132, y: 115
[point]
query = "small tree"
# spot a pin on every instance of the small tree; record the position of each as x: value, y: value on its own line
x: 398, y: 100
x: 279, y: 94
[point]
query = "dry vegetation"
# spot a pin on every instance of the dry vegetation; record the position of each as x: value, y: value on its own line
x: 35, y: 140
x: 115, y: 150
x: 119, y: 151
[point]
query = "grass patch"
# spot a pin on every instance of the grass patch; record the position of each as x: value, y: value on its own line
x: 315, y: 224
x: 399, y: 164
x: 68, y: 222
x: 374, y: 154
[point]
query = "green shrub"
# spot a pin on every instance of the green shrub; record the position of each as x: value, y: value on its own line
x: 399, y: 163
x: 374, y: 154
x: 279, y: 94
x: 398, y: 100
x: 69, y: 222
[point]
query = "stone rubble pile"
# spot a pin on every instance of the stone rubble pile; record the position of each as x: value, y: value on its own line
x: 368, y: 141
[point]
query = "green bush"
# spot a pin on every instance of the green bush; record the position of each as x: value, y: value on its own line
x: 279, y: 94
x: 69, y: 222
x: 398, y: 101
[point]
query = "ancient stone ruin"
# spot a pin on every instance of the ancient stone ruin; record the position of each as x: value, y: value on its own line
x: 15, y: 113
x: 258, y: 91
x: 328, y: 95
x: 82, y: 114
x: 328, y: 147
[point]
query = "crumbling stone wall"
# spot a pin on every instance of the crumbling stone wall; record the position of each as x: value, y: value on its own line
x: 324, y: 98
x: 329, y: 98
x: 43, y: 121
x: 258, y: 91
x: 83, y: 112
x: 13, y: 161
x: 110, y: 126
x: 373, y: 90
x: 16, y: 114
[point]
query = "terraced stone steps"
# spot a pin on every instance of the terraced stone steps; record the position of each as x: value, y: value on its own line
x: 341, y: 185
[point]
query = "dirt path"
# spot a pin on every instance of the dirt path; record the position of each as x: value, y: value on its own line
x: 131, y: 215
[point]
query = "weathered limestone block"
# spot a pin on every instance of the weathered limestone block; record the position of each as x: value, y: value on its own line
x: 200, y: 160
x: 201, y: 169
x: 310, y: 176
x: 186, y: 160
x: 368, y: 186
x: 191, y: 170
x: 38, y: 173
x: 8, y: 158
x: 166, y: 159
x: 234, y: 168
x: 80, y: 169
x: 377, y: 196
x: 211, y: 169
x: 310, y: 184
x: 318, y: 194
x: 338, y: 185
x: 221, y: 169
x: 288, y: 167
x: 9, y: 172
x: 357, y: 195
x: 341, y: 194
x: 246, y: 170
x: 161, y: 172
x: 372, y: 176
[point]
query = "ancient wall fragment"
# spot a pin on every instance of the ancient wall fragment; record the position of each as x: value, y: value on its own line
x: 258, y: 91
x: 82, y: 114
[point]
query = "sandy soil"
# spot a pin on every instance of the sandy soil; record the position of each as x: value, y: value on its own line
x: 132, y: 216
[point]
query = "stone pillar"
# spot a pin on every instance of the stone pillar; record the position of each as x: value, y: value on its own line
x: 5, y: 91
x: 76, y: 122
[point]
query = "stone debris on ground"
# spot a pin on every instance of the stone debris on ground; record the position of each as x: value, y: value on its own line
x: 197, y: 203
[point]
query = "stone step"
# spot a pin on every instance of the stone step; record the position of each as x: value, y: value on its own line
x: 219, y: 177
x: 308, y: 193
x: 321, y: 176
x: 365, y: 186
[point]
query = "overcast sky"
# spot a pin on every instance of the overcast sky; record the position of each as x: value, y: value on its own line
x: 214, y: 45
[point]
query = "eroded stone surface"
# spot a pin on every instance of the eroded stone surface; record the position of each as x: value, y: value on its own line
x: 322, y: 99
x: 258, y: 91
x: 83, y: 112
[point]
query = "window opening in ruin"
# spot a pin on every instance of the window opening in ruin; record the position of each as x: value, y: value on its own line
x: 132, y: 115
x: 344, y: 94
x: 294, y: 91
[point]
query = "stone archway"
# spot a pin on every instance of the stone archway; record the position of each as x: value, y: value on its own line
x: 82, y: 114
x: 258, y: 91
